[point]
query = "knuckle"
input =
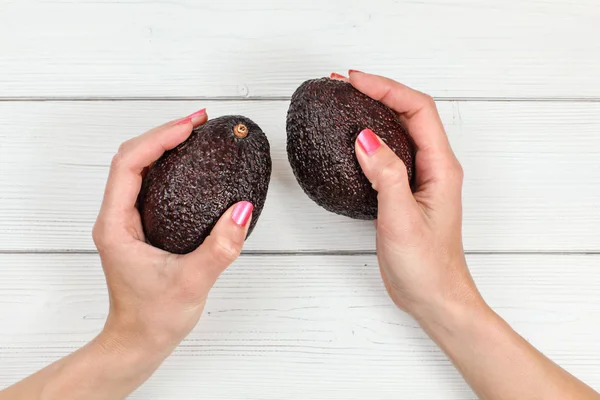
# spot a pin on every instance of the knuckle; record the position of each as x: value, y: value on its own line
x: 99, y: 235
x: 455, y: 172
x: 124, y: 147
x: 119, y: 158
x: 225, y: 249
x: 459, y: 172
x: 452, y: 172
x: 96, y: 234
x: 428, y: 101
x: 105, y: 235
x: 391, y: 172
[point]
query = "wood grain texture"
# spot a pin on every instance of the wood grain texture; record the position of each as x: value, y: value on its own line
x: 304, y: 327
x: 532, y: 175
x: 235, y: 48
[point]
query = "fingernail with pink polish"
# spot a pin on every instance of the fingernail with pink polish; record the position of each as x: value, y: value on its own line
x: 368, y: 141
x: 198, y: 113
x: 191, y: 117
x: 242, y: 212
x: 351, y: 71
x: 184, y: 121
x: 335, y: 75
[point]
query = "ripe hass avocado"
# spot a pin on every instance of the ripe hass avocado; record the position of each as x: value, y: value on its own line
x: 323, y: 121
x: 186, y: 191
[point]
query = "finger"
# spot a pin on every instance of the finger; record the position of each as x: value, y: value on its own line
x: 338, y: 77
x: 141, y: 142
x: 197, y: 118
x: 435, y: 160
x: 224, y: 244
x: 417, y: 110
x: 125, y: 177
x: 386, y: 172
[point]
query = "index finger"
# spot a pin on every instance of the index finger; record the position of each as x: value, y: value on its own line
x: 125, y: 177
x: 417, y: 110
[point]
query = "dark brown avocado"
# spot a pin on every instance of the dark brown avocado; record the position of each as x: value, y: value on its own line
x: 186, y: 191
x: 323, y: 121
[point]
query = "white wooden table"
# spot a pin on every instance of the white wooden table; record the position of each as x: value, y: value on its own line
x: 303, y: 314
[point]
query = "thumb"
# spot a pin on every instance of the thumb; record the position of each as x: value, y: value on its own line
x: 224, y: 244
x: 385, y: 170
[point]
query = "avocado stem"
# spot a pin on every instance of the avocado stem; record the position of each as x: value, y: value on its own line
x: 240, y: 131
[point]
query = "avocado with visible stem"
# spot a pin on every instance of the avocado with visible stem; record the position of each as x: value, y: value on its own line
x: 186, y: 191
x: 324, y: 118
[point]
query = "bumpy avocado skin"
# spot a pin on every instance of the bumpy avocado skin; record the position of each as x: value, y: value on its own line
x: 323, y: 121
x: 187, y: 190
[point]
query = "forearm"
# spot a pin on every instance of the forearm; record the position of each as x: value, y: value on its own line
x: 497, y: 362
x: 106, y: 368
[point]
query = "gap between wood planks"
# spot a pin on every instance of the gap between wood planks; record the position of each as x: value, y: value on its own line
x: 325, y: 252
x: 288, y: 98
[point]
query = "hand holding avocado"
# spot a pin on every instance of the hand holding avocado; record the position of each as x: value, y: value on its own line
x: 421, y: 257
x: 155, y: 294
x: 156, y: 297
x: 350, y: 152
x: 419, y: 243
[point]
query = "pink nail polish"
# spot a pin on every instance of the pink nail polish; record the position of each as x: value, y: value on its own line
x: 368, y: 141
x: 242, y: 212
x: 335, y: 75
x: 190, y: 117
x: 351, y: 71
x: 184, y: 121
x: 198, y: 113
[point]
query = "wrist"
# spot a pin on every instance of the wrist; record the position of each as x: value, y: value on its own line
x: 456, y: 324
x: 451, y: 314
x: 138, y: 344
x: 109, y: 367
x: 451, y: 297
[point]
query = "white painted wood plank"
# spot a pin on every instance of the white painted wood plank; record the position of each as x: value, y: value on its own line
x: 532, y: 175
x: 303, y: 327
x: 237, y: 48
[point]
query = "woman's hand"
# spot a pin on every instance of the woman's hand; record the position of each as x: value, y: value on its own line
x: 419, y: 238
x: 420, y: 252
x: 156, y: 298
